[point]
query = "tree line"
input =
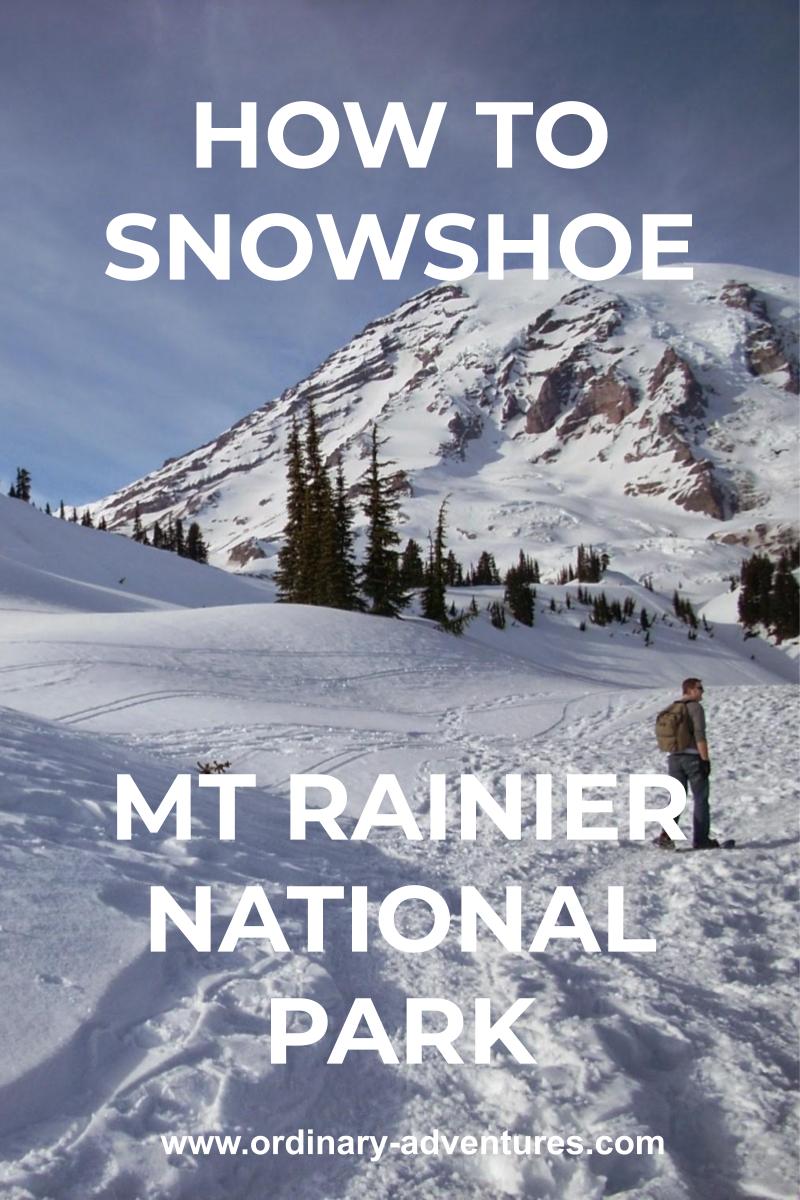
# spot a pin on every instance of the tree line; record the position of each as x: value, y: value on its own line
x: 170, y: 536
x: 317, y: 562
x: 769, y: 595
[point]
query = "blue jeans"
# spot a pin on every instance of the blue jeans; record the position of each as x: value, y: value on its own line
x: 688, y: 769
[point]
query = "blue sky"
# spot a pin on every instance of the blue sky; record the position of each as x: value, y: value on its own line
x: 102, y: 380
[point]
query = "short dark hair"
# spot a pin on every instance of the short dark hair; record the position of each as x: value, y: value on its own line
x: 690, y: 683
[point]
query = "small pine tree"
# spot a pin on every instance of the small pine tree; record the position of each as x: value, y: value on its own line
x: 412, y: 568
x: 497, y: 614
x: 138, y: 530
x: 520, y: 596
x: 22, y: 487
x: 485, y: 573
x: 601, y: 610
x: 195, y: 547
x: 61, y: 511
x: 453, y: 571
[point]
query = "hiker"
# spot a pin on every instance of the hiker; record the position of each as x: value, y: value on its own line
x: 681, y: 731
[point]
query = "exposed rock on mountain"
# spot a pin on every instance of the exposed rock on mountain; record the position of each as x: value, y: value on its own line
x: 551, y: 413
x: 765, y: 348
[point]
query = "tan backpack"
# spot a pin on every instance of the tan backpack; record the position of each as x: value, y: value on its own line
x: 674, y: 729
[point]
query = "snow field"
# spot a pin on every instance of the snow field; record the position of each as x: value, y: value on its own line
x: 105, y: 1045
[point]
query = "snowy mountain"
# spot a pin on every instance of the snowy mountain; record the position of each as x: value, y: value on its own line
x: 636, y: 415
x: 106, y: 1048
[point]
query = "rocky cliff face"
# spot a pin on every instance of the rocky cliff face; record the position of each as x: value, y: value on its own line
x: 551, y: 413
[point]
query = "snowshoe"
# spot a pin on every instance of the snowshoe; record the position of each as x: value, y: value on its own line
x: 713, y: 844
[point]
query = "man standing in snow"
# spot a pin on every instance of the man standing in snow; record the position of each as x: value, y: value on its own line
x: 691, y: 765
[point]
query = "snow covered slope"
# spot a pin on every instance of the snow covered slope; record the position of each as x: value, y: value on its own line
x: 104, y: 1046
x: 635, y: 415
x: 107, y: 1046
x: 48, y: 565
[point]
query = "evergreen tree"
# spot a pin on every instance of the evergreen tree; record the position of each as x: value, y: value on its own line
x: 684, y: 609
x: 48, y: 510
x: 62, y: 514
x: 521, y: 597
x: 756, y: 588
x: 101, y: 524
x: 412, y: 568
x: 497, y: 614
x: 138, y: 530
x: 433, y: 595
x: 344, y: 570
x: 526, y: 568
x: 601, y: 610
x: 22, y: 488
x: 485, y: 573
x: 179, y: 544
x: 12, y: 492
x: 74, y: 517
x: 380, y: 572
x: 196, y: 548
x: 784, y: 601
x: 590, y: 565
x: 86, y: 519
x: 317, y: 540
x: 453, y: 571
x: 287, y: 576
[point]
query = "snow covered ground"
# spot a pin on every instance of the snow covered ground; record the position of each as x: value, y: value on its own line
x: 106, y: 1046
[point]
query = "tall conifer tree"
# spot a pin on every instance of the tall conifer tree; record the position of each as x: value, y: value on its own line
x: 287, y: 576
x: 433, y: 595
x: 344, y: 572
x: 380, y: 572
x: 318, y: 549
